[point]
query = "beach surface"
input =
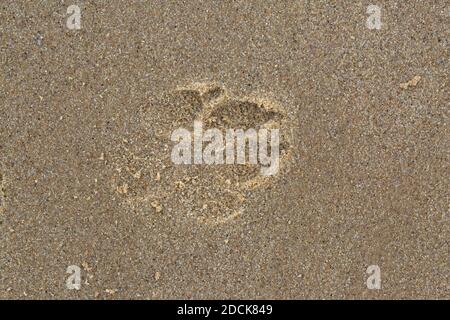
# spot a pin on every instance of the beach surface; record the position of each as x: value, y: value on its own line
x: 88, y: 185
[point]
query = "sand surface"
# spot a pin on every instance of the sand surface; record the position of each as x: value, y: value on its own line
x: 86, y: 177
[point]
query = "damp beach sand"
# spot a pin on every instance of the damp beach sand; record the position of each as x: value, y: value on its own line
x: 86, y: 177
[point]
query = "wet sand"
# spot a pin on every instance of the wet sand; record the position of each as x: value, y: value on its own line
x: 86, y: 176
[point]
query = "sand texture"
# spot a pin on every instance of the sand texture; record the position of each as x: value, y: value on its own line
x: 87, y: 179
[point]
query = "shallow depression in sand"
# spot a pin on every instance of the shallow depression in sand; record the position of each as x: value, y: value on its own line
x: 210, y: 194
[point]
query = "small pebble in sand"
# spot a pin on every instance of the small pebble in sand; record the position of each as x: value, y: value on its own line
x: 179, y: 184
x: 110, y: 291
x: 137, y: 175
x: 123, y: 189
x: 86, y: 266
x: 38, y: 39
x: 157, y: 206
x: 157, y: 276
x: 411, y: 83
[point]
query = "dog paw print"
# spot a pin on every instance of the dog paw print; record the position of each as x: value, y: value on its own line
x: 210, y: 194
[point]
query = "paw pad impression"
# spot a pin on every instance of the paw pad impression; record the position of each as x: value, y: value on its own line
x: 211, y: 194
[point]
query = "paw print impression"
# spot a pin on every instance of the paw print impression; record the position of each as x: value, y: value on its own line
x: 210, y: 194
